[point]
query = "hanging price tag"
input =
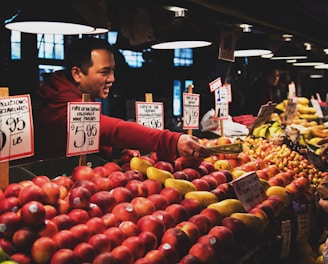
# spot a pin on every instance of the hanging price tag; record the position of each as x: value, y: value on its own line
x: 83, y: 125
x: 150, y: 114
x: 191, y: 111
x: 16, y: 128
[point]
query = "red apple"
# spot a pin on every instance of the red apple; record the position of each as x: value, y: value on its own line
x: 190, y: 259
x: 201, y: 185
x: 171, y: 253
x: 150, y: 240
x: 81, y: 232
x: 118, y: 179
x: 29, y: 193
x: 79, y: 197
x: 129, y: 228
x: 84, y: 252
x: 102, y: 184
x: 177, y: 238
x: 190, y: 229
x: 178, y: 211
x: 6, y: 245
x: 202, y: 170
x: 213, y: 215
x: 23, y: 239
x: 115, y: 235
x: 63, y: 221
x: 9, y: 223
x: 25, y: 183
x: 153, y: 186
x: 112, y: 166
x: 208, y: 165
x: 128, y: 154
x: 143, y: 206
x: 100, y: 242
x: 13, y: 189
x: 51, y: 211
x: 100, y: 171
x: 79, y: 216
x: 42, y: 250
x: 63, y: 192
x: 203, y: 252
x: 136, y: 244
x: 137, y: 188
x: 159, y: 201
x: 123, y: 254
x: 104, y: 200
x: 155, y: 256
x: 48, y: 228
x: 94, y: 210
x: 32, y: 214
x: 126, y: 212
x: 22, y: 258
x: 134, y: 175
x: 151, y: 223
x: 121, y: 194
x: 223, y: 234
x: 164, y: 165
x: 63, y: 256
x: 104, y: 258
x: 65, y: 239
x: 180, y: 175
x: 65, y: 181
x: 224, y: 191
x: 202, y: 222
x: 96, y: 225
x: 62, y: 206
x: 9, y: 204
x: 40, y: 180
x: 212, y: 182
x: 192, y: 173
x: 190, y: 162
x: 268, y: 209
x: 172, y: 195
x: 167, y: 219
x: 223, y: 140
x: 88, y: 184
x: 110, y: 220
x: 219, y: 176
x: 82, y: 172
x: 193, y: 206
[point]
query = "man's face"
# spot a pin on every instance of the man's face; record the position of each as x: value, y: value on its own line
x: 100, y: 77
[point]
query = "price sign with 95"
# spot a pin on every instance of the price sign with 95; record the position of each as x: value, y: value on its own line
x: 83, y: 128
x: 16, y: 130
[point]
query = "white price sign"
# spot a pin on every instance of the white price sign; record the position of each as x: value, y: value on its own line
x: 16, y: 128
x: 150, y: 114
x: 83, y: 128
x: 221, y: 103
x: 191, y: 110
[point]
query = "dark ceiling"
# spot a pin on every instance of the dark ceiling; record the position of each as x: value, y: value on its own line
x: 306, y: 20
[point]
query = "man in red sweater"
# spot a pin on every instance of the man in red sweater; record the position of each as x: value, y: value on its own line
x: 89, y: 70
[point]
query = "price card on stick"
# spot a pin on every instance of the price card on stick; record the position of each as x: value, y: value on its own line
x: 191, y: 110
x: 150, y: 114
x: 217, y: 83
x: 16, y: 128
x: 83, y: 127
x: 249, y: 190
x: 221, y: 103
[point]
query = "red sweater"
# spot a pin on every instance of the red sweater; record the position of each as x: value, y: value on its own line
x: 50, y: 121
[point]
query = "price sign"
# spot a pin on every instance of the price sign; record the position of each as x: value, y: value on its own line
x: 217, y: 83
x: 291, y: 111
x: 249, y: 190
x: 227, y: 86
x: 221, y: 103
x: 150, y: 114
x: 316, y: 105
x: 263, y: 115
x: 16, y: 128
x: 190, y: 111
x: 83, y: 125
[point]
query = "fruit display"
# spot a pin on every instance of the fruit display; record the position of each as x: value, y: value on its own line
x: 145, y: 210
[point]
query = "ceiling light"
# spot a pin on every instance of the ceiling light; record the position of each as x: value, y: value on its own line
x: 44, y: 18
x: 316, y: 76
x: 180, y: 33
x: 250, y: 45
x: 288, y: 50
x: 322, y: 66
x: 267, y: 56
x: 310, y: 61
x: 246, y: 27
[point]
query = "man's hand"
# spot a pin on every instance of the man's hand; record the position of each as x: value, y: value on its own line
x: 189, y: 147
x: 324, y: 152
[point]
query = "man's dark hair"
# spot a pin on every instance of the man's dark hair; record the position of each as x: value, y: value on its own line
x: 79, y: 52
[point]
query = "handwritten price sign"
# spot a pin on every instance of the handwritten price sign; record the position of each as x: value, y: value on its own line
x: 16, y: 130
x: 190, y: 111
x: 150, y: 114
x: 222, y: 102
x: 83, y: 124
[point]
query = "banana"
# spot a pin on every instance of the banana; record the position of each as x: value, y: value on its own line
x: 228, y: 206
x: 314, y: 141
x: 281, y: 107
x: 264, y: 131
x: 309, y: 116
x: 315, y: 132
x: 303, y: 100
x: 206, y: 198
x: 256, y: 131
x: 158, y: 174
x: 140, y: 164
x: 183, y: 186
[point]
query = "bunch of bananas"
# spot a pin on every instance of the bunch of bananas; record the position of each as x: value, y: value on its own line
x: 313, y: 135
x: 268, y: 130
